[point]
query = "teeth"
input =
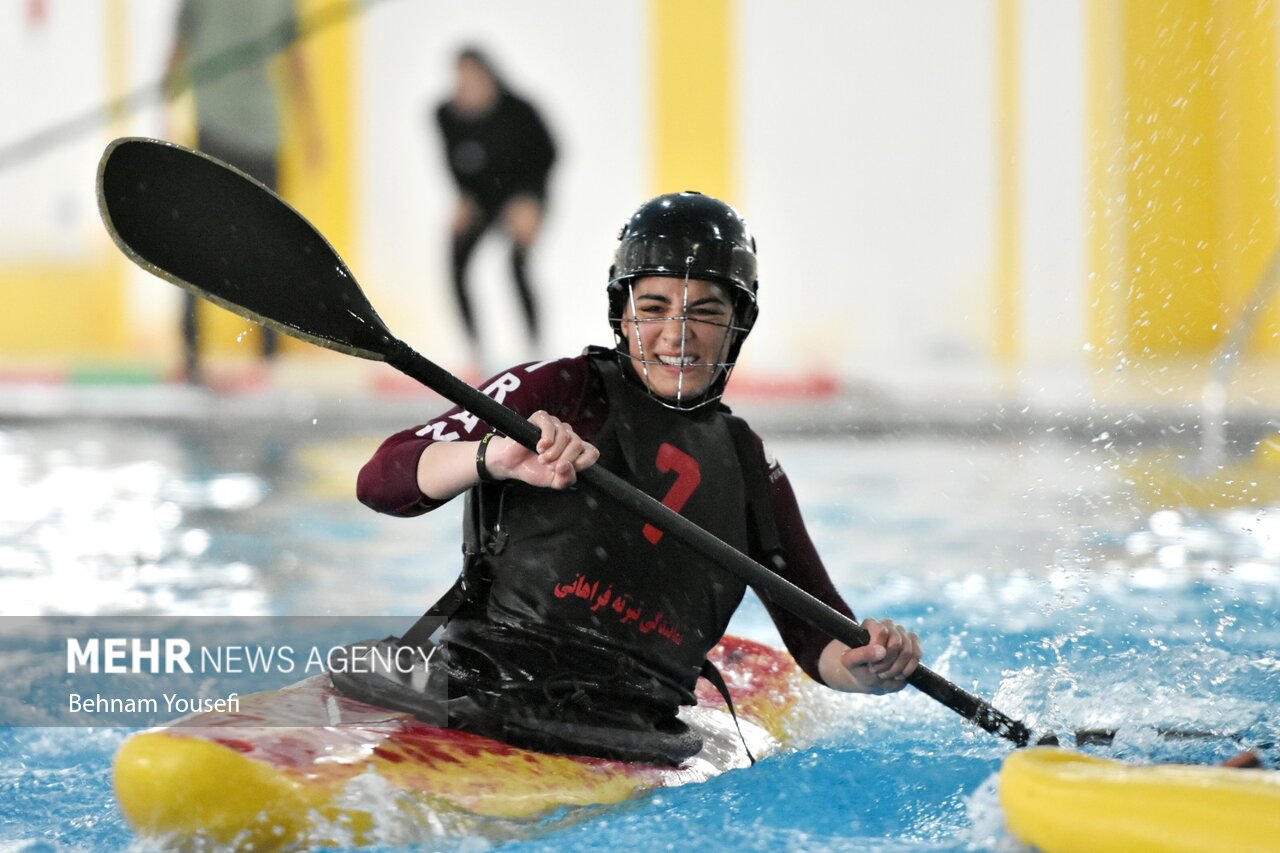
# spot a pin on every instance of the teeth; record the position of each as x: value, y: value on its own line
x: 676, y: 360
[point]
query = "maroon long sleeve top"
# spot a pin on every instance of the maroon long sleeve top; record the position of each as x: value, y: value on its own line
x: 569, y: 390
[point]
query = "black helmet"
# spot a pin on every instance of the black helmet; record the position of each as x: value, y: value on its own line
x: 691, y: 236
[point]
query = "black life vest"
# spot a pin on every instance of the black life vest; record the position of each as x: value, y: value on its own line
x: 574, y: 627
x: 587, y: 608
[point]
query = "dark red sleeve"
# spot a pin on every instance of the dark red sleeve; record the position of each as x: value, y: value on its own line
x: 388, y: 482
x: 800, y: 565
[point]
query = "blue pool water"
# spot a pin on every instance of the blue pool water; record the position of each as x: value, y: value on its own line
x: 1040, y: 572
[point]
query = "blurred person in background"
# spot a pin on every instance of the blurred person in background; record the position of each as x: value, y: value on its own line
x: 225, y: 50
x: 500, y: 155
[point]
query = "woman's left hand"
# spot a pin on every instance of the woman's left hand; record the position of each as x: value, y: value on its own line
x: 881, y: 666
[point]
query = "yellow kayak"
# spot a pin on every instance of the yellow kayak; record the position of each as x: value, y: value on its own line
x: 306, y: 767
x: 1057, y: 800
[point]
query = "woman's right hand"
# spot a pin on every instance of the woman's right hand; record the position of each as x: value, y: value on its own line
x: 560, y: 456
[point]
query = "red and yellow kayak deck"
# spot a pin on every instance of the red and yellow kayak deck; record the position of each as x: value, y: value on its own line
x: 305, y: 766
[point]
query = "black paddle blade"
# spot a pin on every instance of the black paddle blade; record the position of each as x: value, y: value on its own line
x: 213, y: 230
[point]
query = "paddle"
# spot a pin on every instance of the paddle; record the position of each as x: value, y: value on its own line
x: 218, y: 233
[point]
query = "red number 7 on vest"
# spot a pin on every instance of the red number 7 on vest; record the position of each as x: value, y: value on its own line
x: 688, y: 476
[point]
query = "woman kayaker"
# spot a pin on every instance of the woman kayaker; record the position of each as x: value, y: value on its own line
x: 578, y: 628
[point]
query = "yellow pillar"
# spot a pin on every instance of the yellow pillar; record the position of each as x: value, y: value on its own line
x: 1245, y: 87
x: 1183, y: 146
x: 1106, y: 223
x: 692, y: 51
x: 1008, y: 302
x: 326, y: 195
x: 1176, y: 300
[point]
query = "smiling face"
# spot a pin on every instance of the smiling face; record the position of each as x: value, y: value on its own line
x: 678, y: 334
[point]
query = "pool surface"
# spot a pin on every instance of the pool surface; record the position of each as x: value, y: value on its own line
x: 1042, y: 572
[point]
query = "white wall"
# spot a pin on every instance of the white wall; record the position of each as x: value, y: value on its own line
x: 869, y: 172
x: 866, y: 164
x: 1053, y: 183
x: 53, y: 69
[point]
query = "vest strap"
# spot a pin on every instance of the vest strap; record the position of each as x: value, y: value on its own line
x: 711, y: 674
x: 764, y: 527
x: 477, y: 537
x: 419, y: 634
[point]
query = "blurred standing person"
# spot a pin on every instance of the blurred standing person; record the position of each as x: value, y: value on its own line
x: 500, y: 154
x: 225, y: 49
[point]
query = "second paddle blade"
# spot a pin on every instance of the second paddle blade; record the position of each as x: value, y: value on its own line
x: 216, y: 232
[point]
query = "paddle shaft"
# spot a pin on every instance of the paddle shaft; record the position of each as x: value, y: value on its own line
x: 216, y: 232
x: 776, y: 589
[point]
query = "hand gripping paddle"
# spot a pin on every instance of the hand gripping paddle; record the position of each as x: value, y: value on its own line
x: 218, y: 233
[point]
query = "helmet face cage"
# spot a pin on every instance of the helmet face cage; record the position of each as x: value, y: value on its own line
x: 627, y: 330
x: 686, y: 236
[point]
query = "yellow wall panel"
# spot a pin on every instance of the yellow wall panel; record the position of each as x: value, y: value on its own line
x: 692, y: 52
x: 1245, y: 85
x: 324, y: 192
x: 74, y: 310
x: 1171, y: 155
x: 1008, y: 297
x: 1184, y: 173
x: 1106, y: 220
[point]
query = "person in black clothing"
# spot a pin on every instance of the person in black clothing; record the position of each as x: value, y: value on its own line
x: 500, y: 153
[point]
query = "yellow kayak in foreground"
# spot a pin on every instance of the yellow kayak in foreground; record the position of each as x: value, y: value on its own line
x: 1057, y: 800
x: 307, y: 767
